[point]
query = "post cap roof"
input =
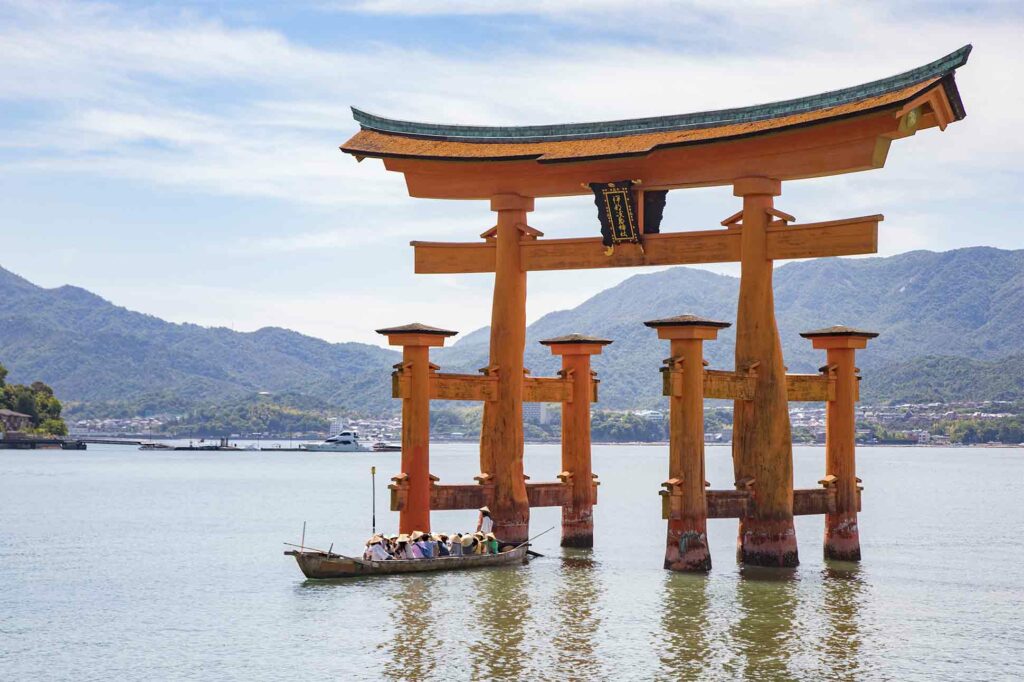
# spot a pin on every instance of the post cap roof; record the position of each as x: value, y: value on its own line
x: 575, y: 338
x: 838, y: 330
x: 688, y: 320
x: 415, y: 328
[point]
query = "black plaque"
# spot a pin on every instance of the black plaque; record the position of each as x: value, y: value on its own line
x: 616, y: 211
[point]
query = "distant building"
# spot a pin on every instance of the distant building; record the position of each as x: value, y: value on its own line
x: 14, y: 421
x: 538, y: 413
x: 336, y: 425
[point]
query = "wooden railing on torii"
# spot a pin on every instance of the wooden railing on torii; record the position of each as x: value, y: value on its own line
x: 415, y: 492
x: 687, y: 502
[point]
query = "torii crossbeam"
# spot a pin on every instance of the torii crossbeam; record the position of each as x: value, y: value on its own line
x: 753, y: 149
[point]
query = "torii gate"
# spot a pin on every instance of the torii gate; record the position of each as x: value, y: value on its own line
x: 753, y: 149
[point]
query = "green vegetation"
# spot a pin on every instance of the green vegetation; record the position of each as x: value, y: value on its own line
x: 618, y: 427
x: 37, y: 401
x: 1009, y: 430
x: 246, y: 418
x: 950, y: 325
x: 880, y: 434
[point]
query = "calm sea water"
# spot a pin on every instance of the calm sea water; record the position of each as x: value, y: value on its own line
x: 117, y: 564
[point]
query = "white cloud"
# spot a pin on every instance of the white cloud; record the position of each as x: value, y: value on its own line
x: 180, y: 101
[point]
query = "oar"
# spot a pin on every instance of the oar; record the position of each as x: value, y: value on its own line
x: 328, y: 552
x: 530, y: 551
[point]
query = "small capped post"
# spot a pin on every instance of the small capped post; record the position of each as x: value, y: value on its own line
x: 578, y: 517
x: 842, y: 536
x: 686, y: 546
x: 416, y: 340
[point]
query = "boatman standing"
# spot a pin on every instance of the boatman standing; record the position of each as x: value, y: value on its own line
x: 485, y: 524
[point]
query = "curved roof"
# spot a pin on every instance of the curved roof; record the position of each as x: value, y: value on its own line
x: 384, y: 137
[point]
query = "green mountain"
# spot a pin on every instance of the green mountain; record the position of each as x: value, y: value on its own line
x: 92, y: 351
x: 966, y: 303
x: 949, y: 324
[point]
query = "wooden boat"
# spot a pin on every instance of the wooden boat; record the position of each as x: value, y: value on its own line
x: 320, y: 565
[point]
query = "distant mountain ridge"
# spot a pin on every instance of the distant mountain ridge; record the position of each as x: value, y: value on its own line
x: 966, y: 303
x: 949, y: 324
x: 91, y: 350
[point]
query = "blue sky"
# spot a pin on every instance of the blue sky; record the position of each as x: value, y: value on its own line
x: 182, y: 159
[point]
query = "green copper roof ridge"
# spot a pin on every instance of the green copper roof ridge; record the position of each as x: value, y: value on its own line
x: 635, y: 126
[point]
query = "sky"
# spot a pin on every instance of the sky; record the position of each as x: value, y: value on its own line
x: 181, y: 159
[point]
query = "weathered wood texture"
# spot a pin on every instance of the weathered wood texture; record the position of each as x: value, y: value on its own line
x: 727, y: 385
x: 686, y: 546
x: 810, y: 387
x: 728, y: 504
x: 451, y: 386
x: 578, y: 514
x: 460, y: 496
x: 736, y: 504
x: 416, y: 440
x: 842, y: 532
x: 809, y: 501
x: 762, y: 445
x: 547, y: 390
x: 845, y: 237
x: 455, y: 496
x: 474, y: 387
x: 501, y: 434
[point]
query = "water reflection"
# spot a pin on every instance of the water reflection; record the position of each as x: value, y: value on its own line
x: 765, y: 634
x: 685, y: 651
x: 411, y: 651
x: 844, y: 595
x: 577, y: 617
x: 501, y: 606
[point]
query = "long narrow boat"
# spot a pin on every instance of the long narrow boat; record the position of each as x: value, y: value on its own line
x: 321, y: 565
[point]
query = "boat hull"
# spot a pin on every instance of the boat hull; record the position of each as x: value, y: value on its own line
x: 320, y: 447
x: 321, y: 566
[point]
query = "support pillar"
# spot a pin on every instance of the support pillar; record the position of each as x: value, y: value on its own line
x: 842, y: 536
x: 686, y: 544
x: 762, y: 442
x: 501, y: 435
x: 578, y: 517
x: 416, y: 340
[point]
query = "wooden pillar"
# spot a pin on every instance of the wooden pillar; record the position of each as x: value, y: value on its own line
x: 416, y: 340
x: 578, y: 517
x: 762, y: 443
x: 842, y: 536
x: 686, y: 543
x: 501, y: 434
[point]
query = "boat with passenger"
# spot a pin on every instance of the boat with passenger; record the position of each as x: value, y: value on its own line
x: 345, y: 441
x: 325, y: 565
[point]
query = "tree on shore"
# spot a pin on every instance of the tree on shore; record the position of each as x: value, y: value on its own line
x: 37, y: 401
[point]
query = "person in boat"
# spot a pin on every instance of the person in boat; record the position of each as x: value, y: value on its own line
x: 441, y: 542
x: 431, y: 546
x: 417, y: 548
x: 484, y: 523
x: 455, y: 546
x: 469, y: 544
x: 402, y: 547
x: 378, y: 551
x: 492, y: 543
x: 480, y: 547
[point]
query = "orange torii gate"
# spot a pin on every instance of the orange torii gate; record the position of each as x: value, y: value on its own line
x: 753, y: 149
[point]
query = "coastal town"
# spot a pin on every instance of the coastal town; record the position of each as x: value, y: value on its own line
x: 937, y: 424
